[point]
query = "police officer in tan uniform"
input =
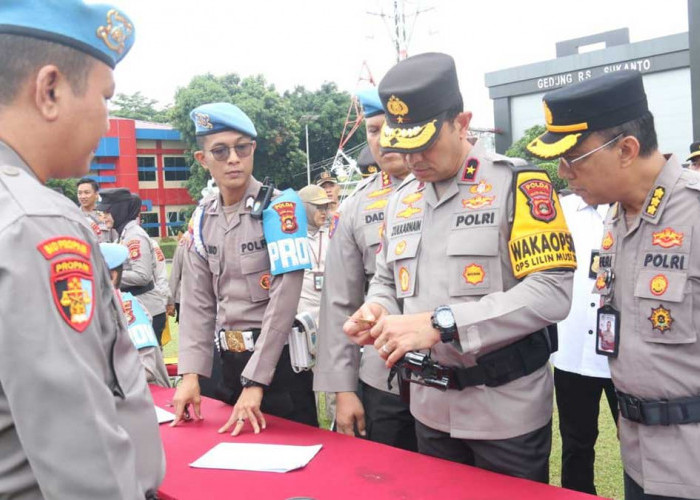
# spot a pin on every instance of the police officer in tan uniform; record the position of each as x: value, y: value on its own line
x: 355, y: 241
x: 229, y: 292
x: 76, y: 415
x: 481, y: 257
x: 88, y: 197
x: 140, y: 276
x: 603, y: 134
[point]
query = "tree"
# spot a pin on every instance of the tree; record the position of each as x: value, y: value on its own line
x: 518, y: 150
x: 67, y: 187
x: 277, y: 153
x: 138, y: 107
x: 325, y: 111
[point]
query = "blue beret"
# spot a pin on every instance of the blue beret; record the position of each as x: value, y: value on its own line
x: 221, y: 116
x: 115, y: 254
x: 99, y: 30
x: 371, y: 104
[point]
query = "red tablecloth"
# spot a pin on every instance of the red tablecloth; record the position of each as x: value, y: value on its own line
x: 345, y: 468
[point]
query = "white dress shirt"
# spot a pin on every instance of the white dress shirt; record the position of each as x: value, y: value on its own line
x: 577, y: 337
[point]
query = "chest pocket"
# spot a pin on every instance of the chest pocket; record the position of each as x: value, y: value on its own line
x: 403, y: 252
x: 371, y: 234
x: 474, y: 265
x: 664, y: 307
x: 255, y: 268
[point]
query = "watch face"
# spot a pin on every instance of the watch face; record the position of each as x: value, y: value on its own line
x: 444, y: 318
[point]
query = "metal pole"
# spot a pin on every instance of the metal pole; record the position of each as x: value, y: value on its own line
x: 308, y: 162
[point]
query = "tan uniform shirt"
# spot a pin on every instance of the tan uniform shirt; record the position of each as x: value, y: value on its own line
x: 454, y: 251
x: 141, y: 268
x: 310, y: 299
x: 103, y: 234
x: 351, y: 263
x: 231, y: 287
x: 176, y: 268
x: 656, y: 268
x: 161, y: 274
x: 76, y: 418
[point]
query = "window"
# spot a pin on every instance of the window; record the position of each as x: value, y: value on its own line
x: 146, y: 167
x: 149, y: 221
x: 176, y: 168
x: 176, y: 222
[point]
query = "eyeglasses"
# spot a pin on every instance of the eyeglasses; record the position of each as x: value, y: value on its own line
x: 569, y: 164
x: 222, y: 153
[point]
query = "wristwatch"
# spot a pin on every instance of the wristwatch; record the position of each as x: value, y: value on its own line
x: 246, y: 382
x: 444, y: 321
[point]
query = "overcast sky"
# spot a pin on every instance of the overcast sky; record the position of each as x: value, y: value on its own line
x: 307, y: 42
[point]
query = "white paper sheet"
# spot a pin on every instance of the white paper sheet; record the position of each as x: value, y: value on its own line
x: 164, y: 416
x: 256, y: 457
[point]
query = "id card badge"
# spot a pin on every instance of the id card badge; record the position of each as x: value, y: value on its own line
x: 318, y: 281
x: 607, y: 331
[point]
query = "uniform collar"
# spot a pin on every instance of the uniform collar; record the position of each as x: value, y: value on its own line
x: 468, y: 173
x: 243, y: 206
x: 655, y: 202
x: 215, y: 206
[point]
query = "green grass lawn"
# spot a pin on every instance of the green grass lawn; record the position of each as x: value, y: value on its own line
x: 608, y: 465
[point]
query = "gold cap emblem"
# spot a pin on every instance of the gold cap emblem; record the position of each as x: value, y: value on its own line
x: 116, y: 32
x: 203, y: 120
x: 396, y: 106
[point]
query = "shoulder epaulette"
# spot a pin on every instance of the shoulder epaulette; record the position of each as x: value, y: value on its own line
x: 407, y: 180
x: 363, y: 184
x: 513, y: 162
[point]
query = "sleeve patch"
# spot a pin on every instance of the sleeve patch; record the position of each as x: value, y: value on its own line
x: 134, y: 247
x: 72, y: 286
x: 159, y: 253
x: 285, y: 230
x: 64, y: 245
x: 540, y: 239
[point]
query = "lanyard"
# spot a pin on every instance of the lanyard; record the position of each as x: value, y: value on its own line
x: 317, y: 257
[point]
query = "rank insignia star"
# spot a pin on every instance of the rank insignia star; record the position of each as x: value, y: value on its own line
x: 652, y: 206
x: 661, y: 319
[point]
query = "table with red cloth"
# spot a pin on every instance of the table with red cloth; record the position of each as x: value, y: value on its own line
x: 345, y: 468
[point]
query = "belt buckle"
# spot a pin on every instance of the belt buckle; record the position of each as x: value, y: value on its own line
x: 235, y: 341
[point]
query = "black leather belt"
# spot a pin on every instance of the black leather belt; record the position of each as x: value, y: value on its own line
x: 659, y: 411
x: 493, y: 369
x: 510, y: 363
x: 139, y: 290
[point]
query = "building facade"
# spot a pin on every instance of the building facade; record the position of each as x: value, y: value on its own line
x: 664, y: 62
x: 149, y: 159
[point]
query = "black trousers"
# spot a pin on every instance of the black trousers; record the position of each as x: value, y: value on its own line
x: 290, y: 395
x: 158, y: 323
x: 525, y: 456
x: 209, y: 387
x: 388, y: 420
x: 635, y: 492
x: 578, y: 402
